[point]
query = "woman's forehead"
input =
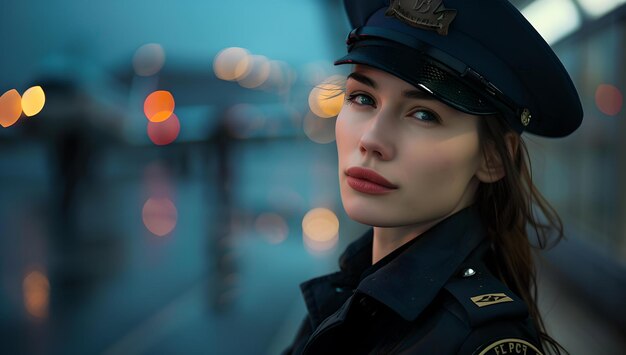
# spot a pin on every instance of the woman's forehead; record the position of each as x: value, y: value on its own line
x: 377, y: 75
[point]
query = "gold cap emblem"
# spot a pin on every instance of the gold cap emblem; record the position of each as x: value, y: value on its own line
x: 425, y: 14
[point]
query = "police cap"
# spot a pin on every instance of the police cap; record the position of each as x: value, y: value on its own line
x: 481, y: 57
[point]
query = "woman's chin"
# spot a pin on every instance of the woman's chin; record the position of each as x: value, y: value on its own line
x: 369, y: 217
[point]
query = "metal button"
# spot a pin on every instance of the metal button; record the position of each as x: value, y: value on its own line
x: 469, y: 272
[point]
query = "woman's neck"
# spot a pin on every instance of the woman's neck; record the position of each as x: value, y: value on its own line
x: 386, y: 240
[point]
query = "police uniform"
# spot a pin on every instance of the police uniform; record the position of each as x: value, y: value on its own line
x: 434, y: 295
x: 438, y: 293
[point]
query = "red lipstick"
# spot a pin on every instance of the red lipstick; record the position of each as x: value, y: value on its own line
x: 368, y: 181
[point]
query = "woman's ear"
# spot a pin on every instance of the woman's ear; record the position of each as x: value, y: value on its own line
x: 491, y: 168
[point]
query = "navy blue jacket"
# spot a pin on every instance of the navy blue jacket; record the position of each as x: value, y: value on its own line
x: 434, y: 295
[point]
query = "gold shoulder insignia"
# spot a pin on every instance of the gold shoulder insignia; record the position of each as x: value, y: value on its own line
x: 510, y: 346
x: 490, y: 298
x: 425, y: 14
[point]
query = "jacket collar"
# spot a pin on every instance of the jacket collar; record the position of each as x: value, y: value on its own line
x: 409, y: 282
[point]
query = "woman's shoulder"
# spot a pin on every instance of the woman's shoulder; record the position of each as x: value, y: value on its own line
x: 495, y: 318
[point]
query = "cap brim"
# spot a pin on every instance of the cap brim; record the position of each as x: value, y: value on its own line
x: 409, y: 67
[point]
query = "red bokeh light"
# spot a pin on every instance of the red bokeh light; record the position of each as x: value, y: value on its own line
x: 159, y: 216
x: 609, y: 99
x: 163, y: 133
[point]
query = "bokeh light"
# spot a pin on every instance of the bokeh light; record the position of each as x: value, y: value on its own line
x: 279, y: 76
x: 272, y: 227
x: 326, y: 99
x: 159, y: 106
x: 232, y: 63
x: 259, y: 72
x: 159, y: 216
x: 609, y: 99
x: 243, y: 120
x: 163, y: 133
x: 148, y: 59
x: 33, y: 100
x: 319, y: 130
x: 320, y: 230
x: 36, y: 288
x: 10, y: 108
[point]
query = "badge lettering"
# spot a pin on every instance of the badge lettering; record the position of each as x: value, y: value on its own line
x: 490, y: 298
x: 510, y: 347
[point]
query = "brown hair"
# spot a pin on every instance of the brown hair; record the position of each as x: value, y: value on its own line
x: 507, y: 207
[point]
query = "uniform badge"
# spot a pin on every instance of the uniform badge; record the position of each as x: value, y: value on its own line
x: 510, y: 346
x: 425, y: 14
x: 490, y: 298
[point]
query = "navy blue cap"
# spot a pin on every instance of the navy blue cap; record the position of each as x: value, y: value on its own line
x: 481, y: 57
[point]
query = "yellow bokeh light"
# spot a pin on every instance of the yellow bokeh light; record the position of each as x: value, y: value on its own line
x: 159, y: 106
x: 159, y: 216
x: 148, y: 59
x: 259, y: 72
x: 232, y: 63
x: 36, y: 288
x: 33, y: 101
x: 326, y: 98
x: 320, y: 229
x: 10, y: 108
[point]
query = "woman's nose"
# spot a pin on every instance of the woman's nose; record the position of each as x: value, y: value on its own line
x: 377, y: 139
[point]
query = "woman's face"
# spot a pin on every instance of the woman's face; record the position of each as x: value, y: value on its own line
x: 405, y: 158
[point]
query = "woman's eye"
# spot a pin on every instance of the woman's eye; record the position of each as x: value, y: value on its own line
x: 360, y: 99
x: 426, y: 116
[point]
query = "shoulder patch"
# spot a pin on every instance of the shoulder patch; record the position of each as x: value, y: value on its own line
x: 509, y: 346
x: 485, y: 298
x: 490, y: 298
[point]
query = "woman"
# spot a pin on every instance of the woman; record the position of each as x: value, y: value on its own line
x: 430, y: 156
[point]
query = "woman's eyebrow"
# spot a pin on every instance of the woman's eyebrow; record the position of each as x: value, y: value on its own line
x: 411, y: 94
x: 363, y: 79
x: 418, y: 94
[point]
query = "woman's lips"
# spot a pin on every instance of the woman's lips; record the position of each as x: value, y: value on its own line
x: 368, y: 181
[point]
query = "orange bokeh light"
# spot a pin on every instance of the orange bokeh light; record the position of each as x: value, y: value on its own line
x: 36, y: 288
x: 10, y: 108
x: 159, y: 106
x: 163, y: 133
x: 33, y: 101
x: 609, y: 99
x: 159, y: 216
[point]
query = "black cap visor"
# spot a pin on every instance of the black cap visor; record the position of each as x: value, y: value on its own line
x: 421, y: 71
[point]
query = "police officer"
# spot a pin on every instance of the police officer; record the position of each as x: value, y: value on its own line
x: 433, y: 80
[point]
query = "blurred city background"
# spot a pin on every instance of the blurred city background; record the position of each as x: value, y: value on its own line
x: 168, y: 174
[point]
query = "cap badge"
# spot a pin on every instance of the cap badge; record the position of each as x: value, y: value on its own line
x: 525, y: 117
x: 425, y: 14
